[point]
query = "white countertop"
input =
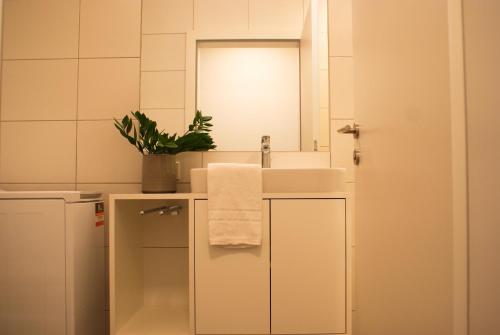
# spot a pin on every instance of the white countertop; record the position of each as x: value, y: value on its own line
x: 194, y: 196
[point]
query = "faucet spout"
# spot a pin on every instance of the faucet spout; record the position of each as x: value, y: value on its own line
x: 265, y: 148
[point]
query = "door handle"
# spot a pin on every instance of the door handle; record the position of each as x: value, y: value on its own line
x: 356, y: 156
x: 347, y: 129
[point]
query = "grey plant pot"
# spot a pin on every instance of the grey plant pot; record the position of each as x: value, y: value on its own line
x: 159, y: 174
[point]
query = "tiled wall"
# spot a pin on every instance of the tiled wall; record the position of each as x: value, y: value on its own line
x: 64, y: 77
x: 341, y: 83
x: 80, y: 63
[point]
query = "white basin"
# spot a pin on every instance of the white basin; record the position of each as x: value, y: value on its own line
x: 286, y: 180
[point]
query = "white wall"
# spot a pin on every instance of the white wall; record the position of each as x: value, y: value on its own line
x: 482, y: 55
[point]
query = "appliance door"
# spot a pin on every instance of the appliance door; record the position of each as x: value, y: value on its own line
x: 32, y: 267
x: 85, y: 262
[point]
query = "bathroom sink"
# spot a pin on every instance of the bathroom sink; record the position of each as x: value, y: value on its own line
x: 286, y: 180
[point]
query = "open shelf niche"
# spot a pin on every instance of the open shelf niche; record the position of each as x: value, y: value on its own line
x: 150, y: 266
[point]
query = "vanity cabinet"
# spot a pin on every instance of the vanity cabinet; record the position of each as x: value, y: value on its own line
x: 165, y: 278
x: 294, y: 283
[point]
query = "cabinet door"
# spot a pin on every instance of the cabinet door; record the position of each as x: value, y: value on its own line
x: 231, y: 284
x: 308, y: 266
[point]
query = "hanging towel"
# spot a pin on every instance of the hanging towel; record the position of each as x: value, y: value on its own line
x: 234, y: 204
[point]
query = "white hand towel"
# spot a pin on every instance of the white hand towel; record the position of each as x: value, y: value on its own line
x: 234, y: 204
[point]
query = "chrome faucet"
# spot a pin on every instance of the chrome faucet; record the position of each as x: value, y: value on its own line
x: 265, y: 148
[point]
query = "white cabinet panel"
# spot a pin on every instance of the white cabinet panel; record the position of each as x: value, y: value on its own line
x: 231, y: 285
x: 32, y: 272
x: 308, y: 287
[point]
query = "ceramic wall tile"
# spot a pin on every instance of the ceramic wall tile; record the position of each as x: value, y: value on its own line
x: 276, y: 15
x: 341, y: 88
x: 220, y: 15
x: 162, y: 89
x: 52, y: 31
x: 37, y: 152
x: 108, y: 88
x: 167, y: 16
x: 39, y: 90
x: 169, y: 120
x: 110, y: 28
x: 247, y: 157
x: 162, y: 52
x: 104, y: 156
x: 340, y: 18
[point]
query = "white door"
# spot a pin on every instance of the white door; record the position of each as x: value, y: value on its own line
x: 403, y: 183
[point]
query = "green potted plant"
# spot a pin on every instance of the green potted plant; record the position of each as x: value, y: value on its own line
x: 159, y: 148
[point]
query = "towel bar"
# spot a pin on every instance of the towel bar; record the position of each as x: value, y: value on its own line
x: 171, y: 210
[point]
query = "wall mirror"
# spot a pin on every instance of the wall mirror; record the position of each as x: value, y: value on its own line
x: 263, y: 83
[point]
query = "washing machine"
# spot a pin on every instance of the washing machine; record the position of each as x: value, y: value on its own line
x: 52, y: 263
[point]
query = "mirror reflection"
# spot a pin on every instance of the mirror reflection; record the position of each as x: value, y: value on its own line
x: 268, y: 87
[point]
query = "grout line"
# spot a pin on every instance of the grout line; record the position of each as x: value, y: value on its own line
x: 37, y: 183
x: 67, y: 58
x: 47, y: 120
x: 139, y: 105
x: 77, y: 90
x: 193, y: 14
x: 248, y: 14
x: 330, y: 83
x: 173, y: 108
x: 54, y: 120
x: 2, y: 24
x: 173, y: 70
x: 169, y: 33
x: 37, y: 59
